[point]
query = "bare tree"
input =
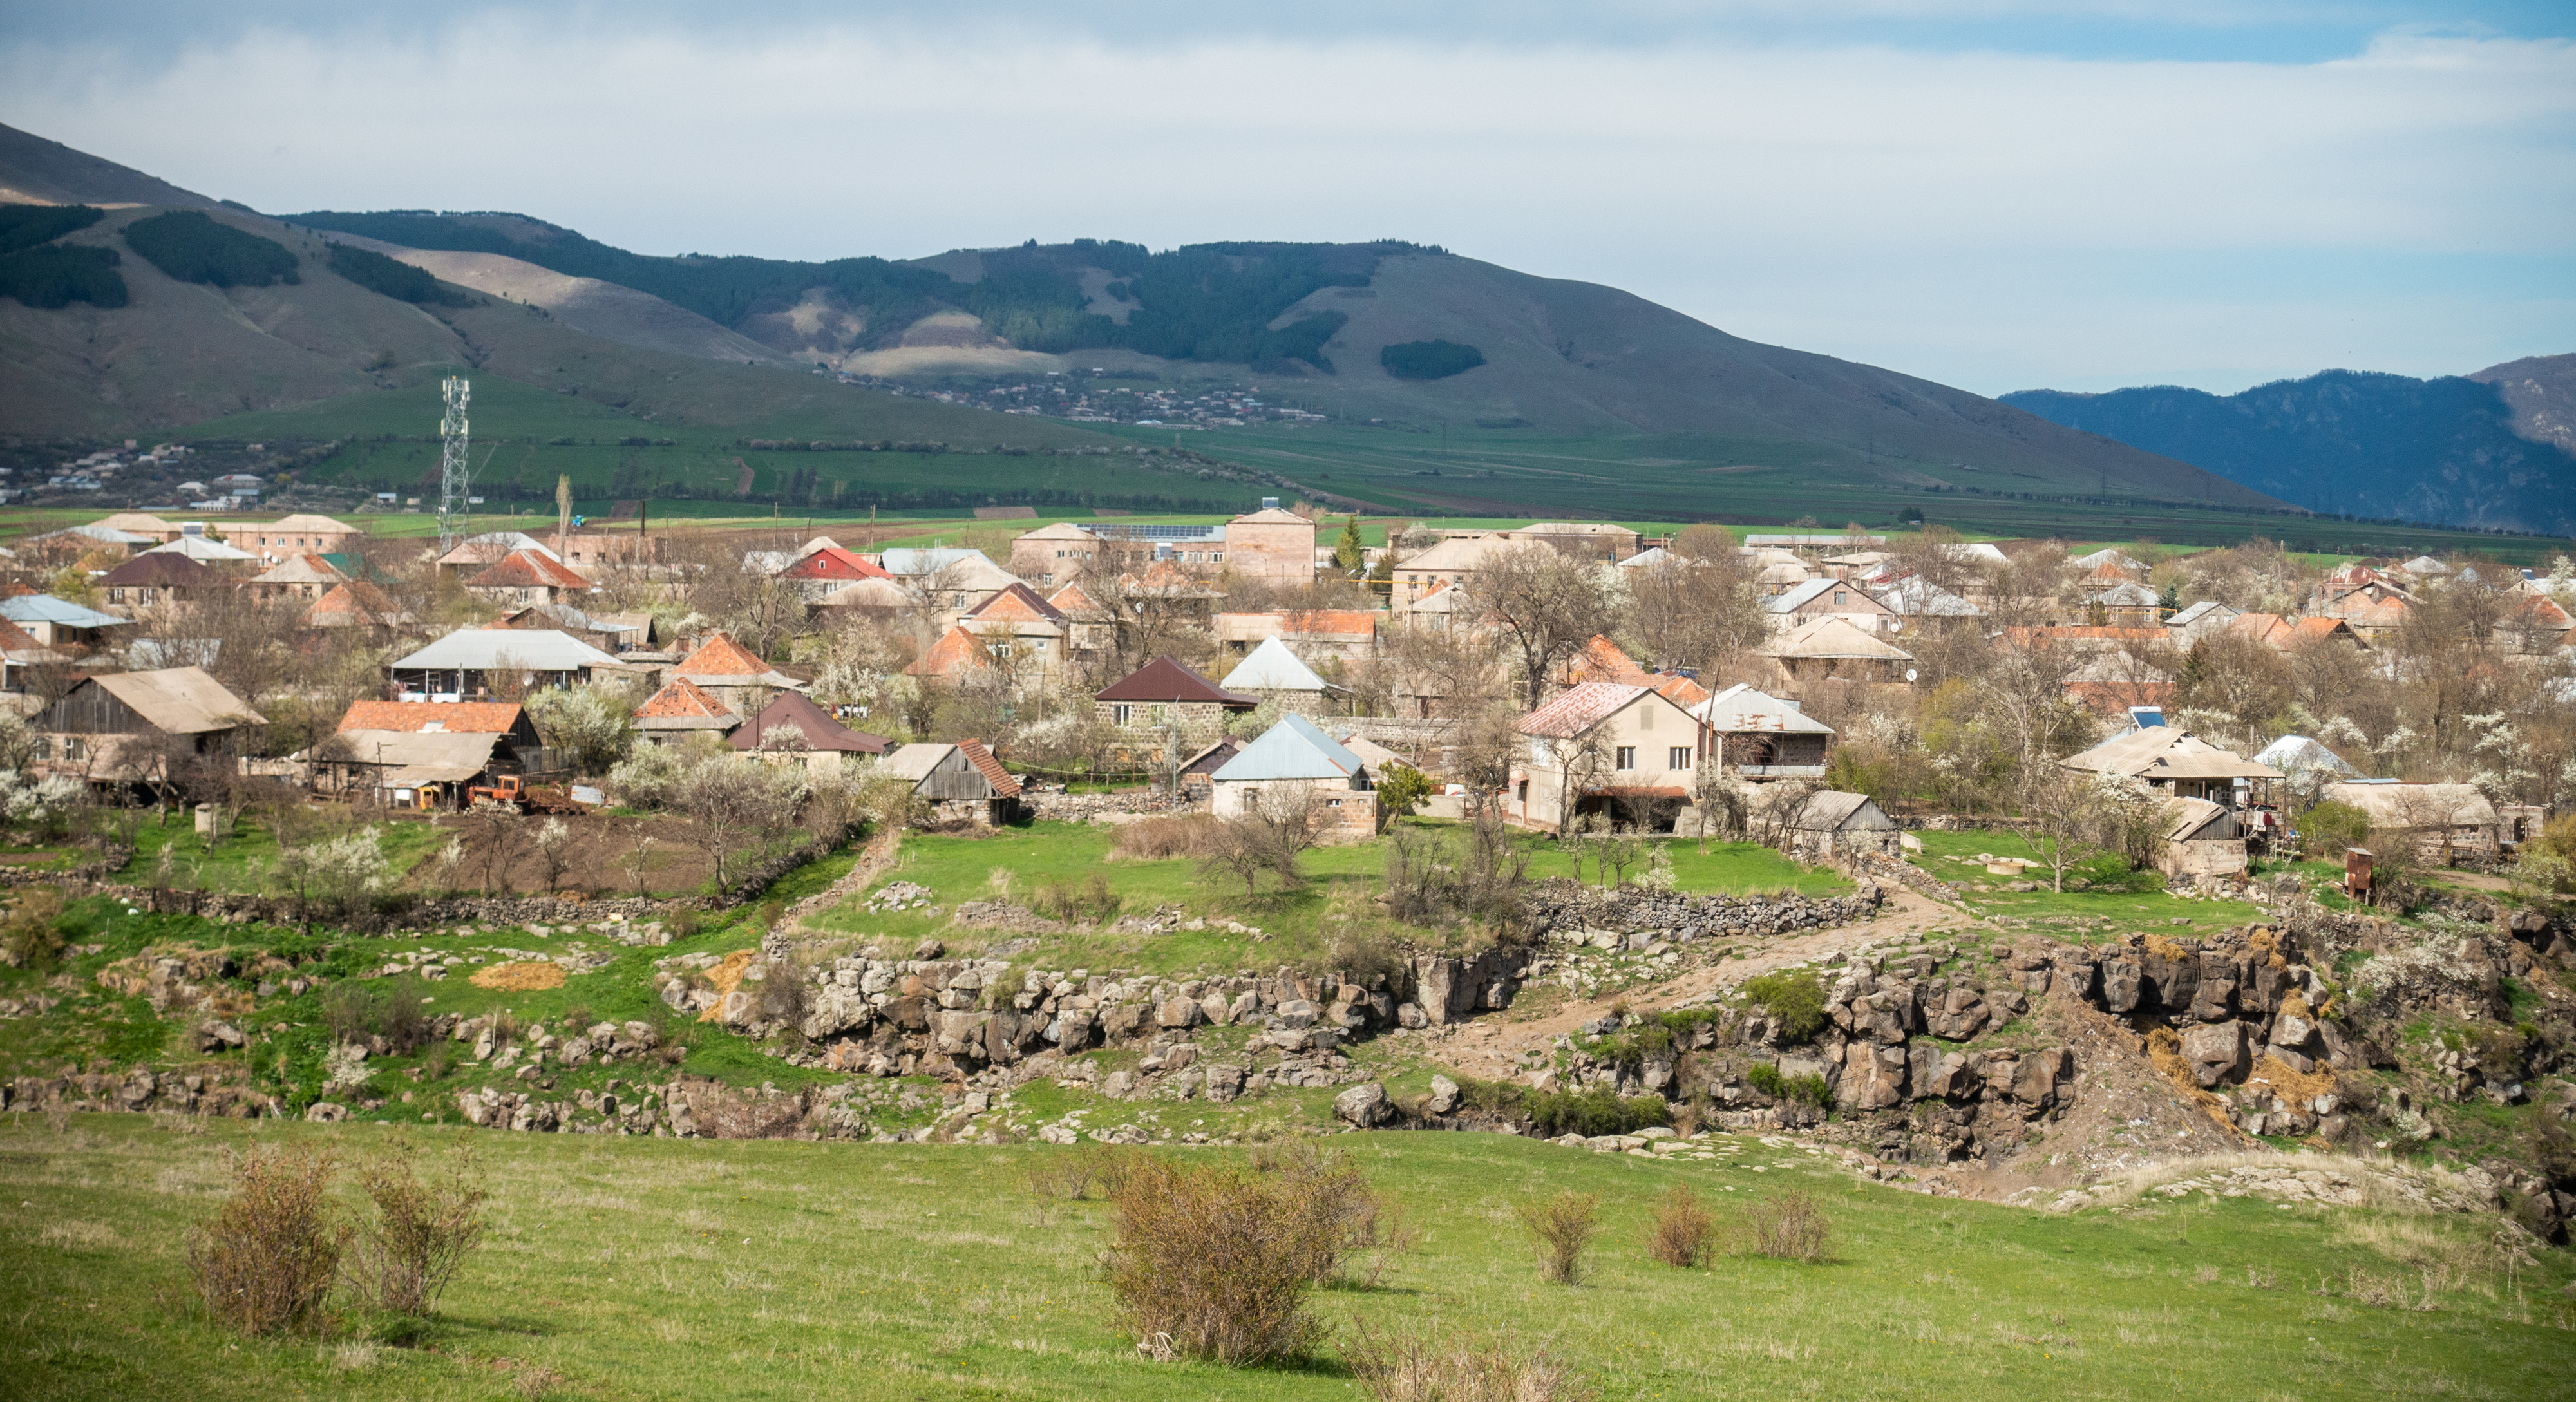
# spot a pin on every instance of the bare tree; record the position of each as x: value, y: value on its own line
x: 552, y: 842
x: 1544, y: 606
x: 736, y: 802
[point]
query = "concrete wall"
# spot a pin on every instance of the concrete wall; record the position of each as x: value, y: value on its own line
x: 1271, y: 550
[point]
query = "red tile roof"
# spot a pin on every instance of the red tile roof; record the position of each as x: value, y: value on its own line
x: 1680, y: 690
x: 991, y: 768
x: 1071, y: 600
x: 1578, y: 709
x: 954, y: 652
x: 720, y: 656
x: 833, y: 562
x: 16, y: 639
x: 1601, y: 660
x: 526, y: 569
x: 1335, y: 622
x: 357, y: 598
x: 1168, y: 681
x: 456, y: 718
x: 683, y: 700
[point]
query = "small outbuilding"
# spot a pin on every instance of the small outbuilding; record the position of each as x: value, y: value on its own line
x: 791, y: 729
x: 961, y: 782
x: 1294, y: 761
x: 1826, y: 824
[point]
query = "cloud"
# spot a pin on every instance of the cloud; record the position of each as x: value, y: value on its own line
x: 1741, y: 182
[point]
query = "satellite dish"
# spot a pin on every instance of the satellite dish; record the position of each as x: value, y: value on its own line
x: 1911, y: 674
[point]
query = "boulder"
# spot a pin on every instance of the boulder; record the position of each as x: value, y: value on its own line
x: 1365, y: 1105
x: 1960, y: 1015
x: 838, y: 1010
x: 1294, y: 1013
x: 1953, y: 1077
x: 1178, y: 1013
x: 1411, y: 1015
x: 325, y: 1112
x: 1873, y: 1076
x: 2293, y: 1032
x: 2121, y: 982
x: 2217, y: 1051
x: 1123, y: 1022
x: 1073, y: 1031
x: 2215, y: 1000
x: 1443, y: 1099
x: 1224, y: 1082
x: 2037, y: 1078
x: 219, y: 1036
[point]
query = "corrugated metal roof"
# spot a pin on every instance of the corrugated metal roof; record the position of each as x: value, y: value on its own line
x: 1272, y: 667
x: 1740, y: 708
x: 483, y: 649
x: 63, y: 613
x: 1292, y: 749
x: 180, y: 700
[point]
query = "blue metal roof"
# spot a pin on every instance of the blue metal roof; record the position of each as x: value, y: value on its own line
x: 45, y: 608
x: 1292, y: 749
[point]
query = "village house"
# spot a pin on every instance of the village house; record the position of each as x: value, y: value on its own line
x: 158, y: 583
x: 2444, y: 824
x: 2204, y: 619
x: 1452, y: 562
x: 528, y: 577
x: 1812, y: 545
x: 484, y: 663
x: 1054, y: 554
x: 140, y: 524
x: 1165, y: 697
x: 2292, y: 634
x: 133, y: 727
x: 1831, y: 598
x: 419, y: 754
x: 300, y: 576
x: 356, y: 604
x: 205, y: 551
x: 2166, y: 758
x: 1760, y: 737
x: 963, y: 782
x: 1271, y: 544
x: 1295, y: 763
x: 59, y: 623
x: 477, y: 553
x: 1824, y: 826
x: 1316, y: 635
x: 301, y: 534
x: 1829, y: 651
x: 826, y: 570
x: 733, y: 674
x: 2200, y: 838
x: 1584, y: 540
x: 1273, y: 673
x: 1022, y: 631
x: 681, y: 709
x: 1604, y: 747
x: 791, y: 729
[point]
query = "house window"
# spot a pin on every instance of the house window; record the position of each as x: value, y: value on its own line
x: 44, y: 747
x: 1121, y: 715
x: 1841, y: 598
x: 1522, y: 791
x: 74, y: 748
x: 1678, y: 757
x: 1332, y: 803
x: 1627, y: 757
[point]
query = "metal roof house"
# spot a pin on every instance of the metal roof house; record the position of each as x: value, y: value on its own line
x: 2168, y: 758
x: 1271, y: 670
x: 125, y: 727
x: 1761, y: 737
x: 54, y: 622
x: 467, y: 662
x: 1296, y: 762
x: 960, y: 781
x: 792, y: 729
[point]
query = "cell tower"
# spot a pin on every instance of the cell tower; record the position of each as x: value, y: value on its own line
x: 453, y: 459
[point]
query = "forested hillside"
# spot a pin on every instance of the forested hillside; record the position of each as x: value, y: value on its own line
x: 2347, y: 441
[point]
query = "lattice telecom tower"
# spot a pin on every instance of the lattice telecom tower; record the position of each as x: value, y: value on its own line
x: 453, y: 458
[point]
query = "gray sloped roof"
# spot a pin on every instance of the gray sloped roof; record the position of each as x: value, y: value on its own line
x: 45, y: 608
x: 2198, y: 611
x: 1804, y: 594
x: 179, y: 700
x: 1272, y: 667
x: 1831, y: 810
x: 1741, y: 708
x: 1292, y: 749
x: 2292, y: 753
x: 483, y: 649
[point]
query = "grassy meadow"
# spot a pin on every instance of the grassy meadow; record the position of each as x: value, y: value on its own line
x: 653, y: 1268
x: 2103, y: 898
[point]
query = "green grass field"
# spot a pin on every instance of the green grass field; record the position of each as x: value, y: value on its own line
x: 1297, y: 925
x: 651, y: 1268
x: 2102, y: 899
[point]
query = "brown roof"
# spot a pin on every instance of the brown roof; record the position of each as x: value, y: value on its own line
x: 1578, y: 709
x: 1168, y: 681
x: 162, y: 569
x: 1071, y: 600
x: 526, y: 569
x: 306, y: 568
x: 822, y: 730
x: 423, y: 717
x: 1601, y: 660
x: 1002, y: 780
x: 1017, y: 603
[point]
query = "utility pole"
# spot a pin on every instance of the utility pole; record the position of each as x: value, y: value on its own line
x: 454, y: 462
x: 563, y: 511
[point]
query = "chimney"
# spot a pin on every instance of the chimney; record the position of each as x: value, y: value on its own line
x: 1270, y: 503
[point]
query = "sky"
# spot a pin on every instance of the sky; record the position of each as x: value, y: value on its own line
x: 1993, y: 194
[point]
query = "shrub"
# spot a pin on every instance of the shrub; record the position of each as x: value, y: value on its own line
x: 1368, y: 956
x: 266, y: 1260
x: 1796, y: 1001
x: 422, y: 1230
x: 1684, y: 1230
x: 1766, y: 1078
x: 1090, y: 899
x: 1424, y: 1366
x: 1158, y: 839
x: 1786, y: 1228
x: 193, y: 248
x: 1088, y: 1170
x: 1216, y: 1260
x: 32, y: 935
x: 2328, y: 828
x: 1563, y: 1226
x: 1594, y: 1112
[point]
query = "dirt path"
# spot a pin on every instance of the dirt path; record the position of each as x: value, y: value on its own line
x: 1490, y: 1046
x: 874, y: 859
